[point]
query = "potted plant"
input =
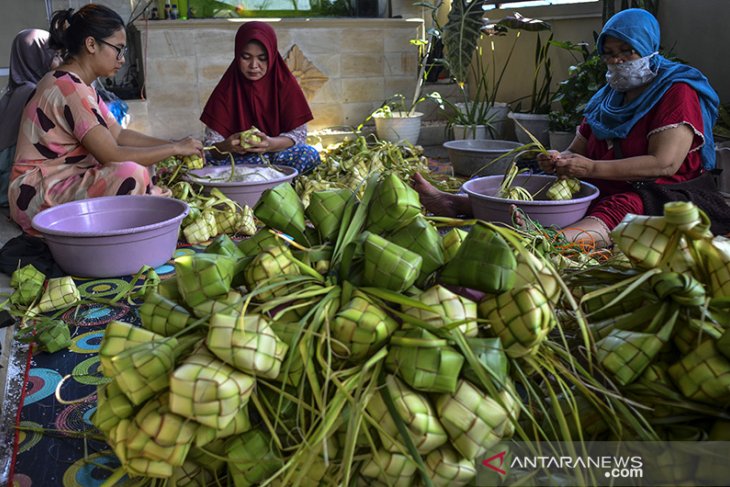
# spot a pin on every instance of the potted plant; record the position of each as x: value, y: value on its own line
x: 535, y: 117
x: 478, y: 115
x: 470, y: 118
x: 585, y: 78
x: 396, y: 120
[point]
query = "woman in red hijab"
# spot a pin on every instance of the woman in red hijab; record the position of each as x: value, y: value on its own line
x: 258, y: 90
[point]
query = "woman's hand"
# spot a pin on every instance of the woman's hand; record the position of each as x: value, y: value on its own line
x: 547, y: 161
x: 231, y: 144
x: 266, y: 144
x: 569, y: 165
x: 188, y: 147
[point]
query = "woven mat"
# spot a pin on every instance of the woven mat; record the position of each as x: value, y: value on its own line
x: 50, y: 432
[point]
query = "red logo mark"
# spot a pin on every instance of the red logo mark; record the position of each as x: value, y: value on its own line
x: 499, y: 456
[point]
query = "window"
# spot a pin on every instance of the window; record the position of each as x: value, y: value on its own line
x: 533, y: 3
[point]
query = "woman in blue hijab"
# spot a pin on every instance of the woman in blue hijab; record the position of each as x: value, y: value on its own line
x: 646, y: 131
x: 646, y: 134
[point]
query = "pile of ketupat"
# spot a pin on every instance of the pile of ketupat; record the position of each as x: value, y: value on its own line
x: 210, y: 214
x: 346, y: 356
x: 348, y: 164
x: 348, y: 360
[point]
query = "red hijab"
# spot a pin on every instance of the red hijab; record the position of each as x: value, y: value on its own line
x: 274, y: 103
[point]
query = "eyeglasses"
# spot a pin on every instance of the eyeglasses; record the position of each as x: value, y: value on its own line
x: 621, y: 55
x: 121, y: 51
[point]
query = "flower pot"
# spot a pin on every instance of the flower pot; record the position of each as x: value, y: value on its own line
x: 497, y: 117
x: 560, y: 140
x: 536, y: 124
x: 462, y: 132
x: 475, y: 157
x: 398, y: 126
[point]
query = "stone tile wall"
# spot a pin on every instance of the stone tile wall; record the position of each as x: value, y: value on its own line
x: 365, y: 61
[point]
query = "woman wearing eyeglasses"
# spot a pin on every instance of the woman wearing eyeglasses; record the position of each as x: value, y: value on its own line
x: 70, y: 147
x: 649, y: 128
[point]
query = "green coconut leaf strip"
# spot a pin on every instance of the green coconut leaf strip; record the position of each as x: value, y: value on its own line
x: 559, y: 416
x: 394, y: 297
x: 353, y: 228
x: 632, y: 284
x: 329, y: 420
x: 619, y: 405
x: 126, y: 290
x: 403, y: 431
x: 312, y: 292
x: 261, y: 408
x: 532, y: 394
x: 357, y: 413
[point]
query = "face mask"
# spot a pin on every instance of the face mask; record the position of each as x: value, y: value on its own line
x: 630, y: 74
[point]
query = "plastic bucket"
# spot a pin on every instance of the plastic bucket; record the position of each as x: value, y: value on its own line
x: 113, y: 235
x: 488, y: 207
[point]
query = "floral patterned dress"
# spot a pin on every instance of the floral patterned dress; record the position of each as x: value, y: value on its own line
x: 51, y: 164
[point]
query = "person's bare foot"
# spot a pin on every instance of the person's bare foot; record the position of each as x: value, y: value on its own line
x: 518, y: 219
x: 439, y: 202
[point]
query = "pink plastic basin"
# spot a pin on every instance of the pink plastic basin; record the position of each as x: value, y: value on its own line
x: 242, y: 192
x: 488, y: 207
x: 113, y: 235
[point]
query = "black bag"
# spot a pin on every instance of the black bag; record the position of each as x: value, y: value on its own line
x: 702, y: 191
x: 25, y: 249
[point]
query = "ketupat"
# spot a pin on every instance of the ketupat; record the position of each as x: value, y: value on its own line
x: 416, y: 411
x: 521, y: 318
x: 394, y: 205
x: 563, y: 189
x: 484, y: 261
x: 250, y: 137
x: 209, y: 391
x: 423, y: 361
x: 28, y: 284
x: 360, y: 328
x: 203, y: 276
x: 248, y: 343
x: 447, y: 308
x: 389, y: 265
x: 60, y: 293
x: 474, y: 421
x: 300, y: 418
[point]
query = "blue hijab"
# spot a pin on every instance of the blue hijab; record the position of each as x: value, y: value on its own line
x: 605, y: 112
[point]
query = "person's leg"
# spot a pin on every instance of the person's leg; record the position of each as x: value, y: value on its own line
x: 113, y: 179
x: 304, y: 158
x: 439, y: 202
x: 590, y: 230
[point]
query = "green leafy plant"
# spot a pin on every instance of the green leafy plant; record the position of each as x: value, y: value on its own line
x: 203, y: 9
x: 460, y: 35
x: 585, y: 78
